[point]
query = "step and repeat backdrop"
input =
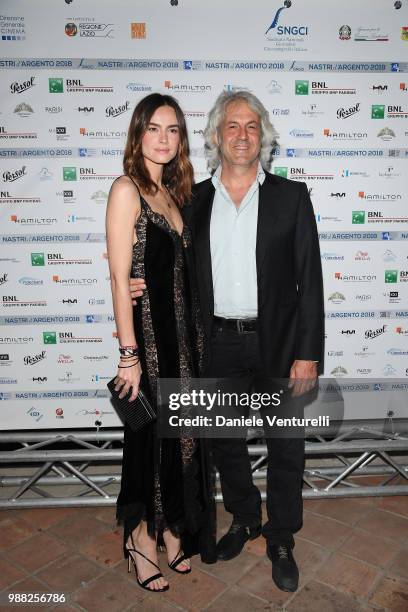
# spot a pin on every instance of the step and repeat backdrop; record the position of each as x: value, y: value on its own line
x: 334, y: 78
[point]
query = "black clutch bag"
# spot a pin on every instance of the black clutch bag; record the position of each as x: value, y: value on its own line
x: 136, y: 414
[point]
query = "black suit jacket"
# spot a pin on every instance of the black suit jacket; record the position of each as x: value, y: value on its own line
x: 289, y: 274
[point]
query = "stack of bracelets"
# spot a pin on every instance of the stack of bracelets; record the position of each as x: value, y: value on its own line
x: 129, y: 355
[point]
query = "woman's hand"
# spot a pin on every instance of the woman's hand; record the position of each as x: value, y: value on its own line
x: 126, y: 378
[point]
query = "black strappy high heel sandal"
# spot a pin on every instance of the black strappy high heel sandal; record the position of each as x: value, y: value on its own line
x: 176, y: 561
x: 148, y: 580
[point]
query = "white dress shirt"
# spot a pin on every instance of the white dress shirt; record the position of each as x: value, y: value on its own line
x: 233, y: 250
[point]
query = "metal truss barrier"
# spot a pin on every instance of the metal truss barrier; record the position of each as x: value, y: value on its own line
x: 361, y: 461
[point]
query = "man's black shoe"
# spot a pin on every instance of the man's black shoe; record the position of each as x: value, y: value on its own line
x: 285, y: 572
x: 233, y: 541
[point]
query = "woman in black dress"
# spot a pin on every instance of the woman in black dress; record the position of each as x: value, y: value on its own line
x: 165, y: 489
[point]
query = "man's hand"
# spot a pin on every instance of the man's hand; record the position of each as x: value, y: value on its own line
x: 136, y: 286
x: 303, y: 375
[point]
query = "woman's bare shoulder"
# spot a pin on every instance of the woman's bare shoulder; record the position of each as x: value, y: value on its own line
x: 123, y: 185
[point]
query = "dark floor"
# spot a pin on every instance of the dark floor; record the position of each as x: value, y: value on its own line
x: 352, y: 553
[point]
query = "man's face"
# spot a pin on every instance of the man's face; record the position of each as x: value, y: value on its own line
x: 239, y: 135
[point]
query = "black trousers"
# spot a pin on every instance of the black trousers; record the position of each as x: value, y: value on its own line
x: 236, y: 357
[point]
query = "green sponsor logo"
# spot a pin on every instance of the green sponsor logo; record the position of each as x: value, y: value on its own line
x: 391, y: 276
x: 301, y: 88
x: 281, y: 171
x: 377, y: 111
x: 55, y: 85
x: 50, y: 337
x: 37, y: 259
x: 358, y: 217
x: 69, y: 173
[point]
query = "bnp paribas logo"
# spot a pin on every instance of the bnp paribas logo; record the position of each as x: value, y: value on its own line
x: 55, y: 85
x: 281, y: 171
x: 37, y: 259
x: 69, y: 173
x: 301, y: 88
x: 358, y: 217
x: 377, y: 111
x: 49, y: 337
x: 391, y: 276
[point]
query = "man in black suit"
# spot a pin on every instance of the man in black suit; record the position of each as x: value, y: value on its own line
x: 260, y: 290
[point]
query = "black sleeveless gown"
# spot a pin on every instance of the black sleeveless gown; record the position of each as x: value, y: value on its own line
x: 167, y: 482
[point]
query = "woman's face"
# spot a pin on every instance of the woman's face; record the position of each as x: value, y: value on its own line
x: 162, y: 136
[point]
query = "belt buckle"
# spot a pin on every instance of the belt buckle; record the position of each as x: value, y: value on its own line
x: 240, y: 326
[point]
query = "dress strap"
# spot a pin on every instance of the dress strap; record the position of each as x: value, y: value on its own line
x: 135, y: 184
x: 142, y: 200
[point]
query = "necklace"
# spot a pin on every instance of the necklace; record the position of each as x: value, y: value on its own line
x: 166, y: 195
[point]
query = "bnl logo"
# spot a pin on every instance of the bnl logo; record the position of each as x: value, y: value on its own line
x: 286, y: 4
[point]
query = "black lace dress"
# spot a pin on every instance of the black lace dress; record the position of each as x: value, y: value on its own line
x: 166, y: 482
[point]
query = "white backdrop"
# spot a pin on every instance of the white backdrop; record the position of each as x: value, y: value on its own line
x: 334, y: 81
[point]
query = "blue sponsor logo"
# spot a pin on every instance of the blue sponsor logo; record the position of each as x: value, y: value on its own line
x: 27, y: 280
x: 397, y: 352
x: 284, y: 30
x: 85, y: 152
x: 188, y: 64
x: 287, y: 4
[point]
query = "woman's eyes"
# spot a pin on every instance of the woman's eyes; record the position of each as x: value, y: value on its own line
x: 153, y: 128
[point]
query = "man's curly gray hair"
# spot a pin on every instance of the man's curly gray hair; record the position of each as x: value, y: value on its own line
x: 216, y: 116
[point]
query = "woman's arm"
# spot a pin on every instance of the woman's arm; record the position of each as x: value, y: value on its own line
x: 123, y: 209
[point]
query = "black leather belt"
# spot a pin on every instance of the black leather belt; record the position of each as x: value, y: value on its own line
x: 241, y: 326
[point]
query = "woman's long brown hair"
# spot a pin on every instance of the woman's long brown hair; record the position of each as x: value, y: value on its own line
x: 178, y: 173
